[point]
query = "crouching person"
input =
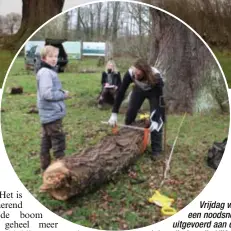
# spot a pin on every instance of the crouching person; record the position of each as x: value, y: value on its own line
x: 110, y: 82
x: 148, y: 84
x: 50, y: 103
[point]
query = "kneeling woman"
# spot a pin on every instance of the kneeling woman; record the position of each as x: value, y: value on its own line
x: 110, y: 81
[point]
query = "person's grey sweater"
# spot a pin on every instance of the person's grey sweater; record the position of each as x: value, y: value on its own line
x: 50, y: 96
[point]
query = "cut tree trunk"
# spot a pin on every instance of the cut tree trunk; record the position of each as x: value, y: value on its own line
x: 173, y: 56
x: 34, y: 14
x: 80, y: 173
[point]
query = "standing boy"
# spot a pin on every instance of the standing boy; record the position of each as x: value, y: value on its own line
x: 50, y: 103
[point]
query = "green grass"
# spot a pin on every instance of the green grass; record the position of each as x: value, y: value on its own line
x: 5, y: 60
x: 224, y: 58
x: 118, y: 204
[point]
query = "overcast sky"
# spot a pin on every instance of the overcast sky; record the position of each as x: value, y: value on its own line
x: 8, y: 6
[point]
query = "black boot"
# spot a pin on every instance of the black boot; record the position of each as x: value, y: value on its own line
x: 156, y: 144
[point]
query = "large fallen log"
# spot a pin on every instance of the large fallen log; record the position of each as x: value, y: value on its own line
x: 94, y: 166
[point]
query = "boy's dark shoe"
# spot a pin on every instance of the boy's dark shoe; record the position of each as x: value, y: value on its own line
x: 38, y: 171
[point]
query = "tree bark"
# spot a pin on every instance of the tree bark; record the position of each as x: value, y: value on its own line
x: 155, y: 34
x: 86, y: 29
x: 115, y: 20
x: 78, y: 27
x: 94, y: 166
x: 34, y: 14
x: 185, y: 62
x: 106, y: 31
x: 208, y: 18
x: 99, y: 9
x: 91, y: 22
x: 66, y: 26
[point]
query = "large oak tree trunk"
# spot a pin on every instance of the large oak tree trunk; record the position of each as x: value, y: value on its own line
x: 34, y: 14
x: 209, y: 18
x: 94, y: 166
x: 185, y: 62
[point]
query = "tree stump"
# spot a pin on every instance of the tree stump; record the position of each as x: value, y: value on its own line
x: 80, y: 173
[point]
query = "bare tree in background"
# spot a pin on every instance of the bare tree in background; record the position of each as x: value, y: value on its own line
x: 106, y: 30
x: 139, y: 24
x: 99, y: 11
x: 54, y: 29
x: 34, y: 14
x: 92, y: 17
x: 78, y: 26
x: 1, y: 25
x: 66, y: 24
x: 115, y: 20
x: 12, y: 23
x: 85, y: 23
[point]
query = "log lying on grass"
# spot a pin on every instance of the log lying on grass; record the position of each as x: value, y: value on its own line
x: 94, y: 166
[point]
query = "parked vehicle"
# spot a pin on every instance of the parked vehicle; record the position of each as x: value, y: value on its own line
x: 33, y: 58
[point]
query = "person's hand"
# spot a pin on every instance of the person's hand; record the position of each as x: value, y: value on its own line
x: 106, y: 84
x: 67, y: 95
x: 113, y: 119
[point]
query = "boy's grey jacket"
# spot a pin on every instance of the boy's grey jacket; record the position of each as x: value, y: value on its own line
x: 50, y: 96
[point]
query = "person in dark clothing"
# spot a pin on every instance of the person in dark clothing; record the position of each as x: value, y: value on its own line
x: 110, y: 81
x: 148, y: 84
